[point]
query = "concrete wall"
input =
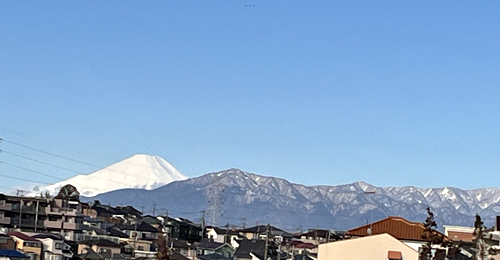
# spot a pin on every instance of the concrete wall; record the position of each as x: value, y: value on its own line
x: 372, y: 247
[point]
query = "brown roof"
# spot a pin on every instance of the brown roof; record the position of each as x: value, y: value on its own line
x: 397, y: 227
x: 463, y: 236
x: 23, y: 236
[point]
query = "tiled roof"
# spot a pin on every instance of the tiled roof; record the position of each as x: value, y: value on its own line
x: 305, y: 245
x: 12, y: 253
x: 213, y: 256
x: 248, y: 246
x: 224, y: 231
x: 143, y: 227
x: 261, y: 229
x: 209, y: 245
x: 115, y: 232
x: 90, y: 255
x: 397, y: 227
x: 100, y: 242
x: 23, y: 236
x: 177, y: 256
x: 51, y: 236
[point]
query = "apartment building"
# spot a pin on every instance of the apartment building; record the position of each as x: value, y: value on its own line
x: 37, y: 214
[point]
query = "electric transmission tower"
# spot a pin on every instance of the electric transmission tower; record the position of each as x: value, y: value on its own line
x: 216, y: 200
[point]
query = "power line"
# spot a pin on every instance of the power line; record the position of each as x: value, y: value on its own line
x: 23, y: 179
x: 69, y: 159
x: 45, y: 152
x: 60, y: 167
x: 37, y: 161
x: 26, y: 169
x: 41, y: 173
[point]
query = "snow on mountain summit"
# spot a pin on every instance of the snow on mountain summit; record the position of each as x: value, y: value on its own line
x: 140, y: 171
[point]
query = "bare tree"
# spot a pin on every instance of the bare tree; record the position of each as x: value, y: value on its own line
x: 162, y: 252
x: 483, y: 250
x: 446, y: 249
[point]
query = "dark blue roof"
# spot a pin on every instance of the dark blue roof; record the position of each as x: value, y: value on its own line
x: 12, y: 253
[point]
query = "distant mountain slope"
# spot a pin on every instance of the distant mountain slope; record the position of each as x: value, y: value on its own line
x: 140, y: 171
x: 236, y: 197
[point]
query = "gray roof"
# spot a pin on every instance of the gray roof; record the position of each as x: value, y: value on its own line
x: 91, y: 255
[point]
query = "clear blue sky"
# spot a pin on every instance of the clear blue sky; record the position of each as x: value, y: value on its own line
x: 393, y: 93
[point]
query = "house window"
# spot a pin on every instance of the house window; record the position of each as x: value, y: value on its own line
x: 140, y: 248
x: 394, y: 255
x: 59, y: 245
x: 104, y: 250
x: 32, y: 256
x: 30, y: 244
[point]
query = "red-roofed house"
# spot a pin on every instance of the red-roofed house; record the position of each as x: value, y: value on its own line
x: 403, y: 230
x: 28, y: 245
x: 406, y: 231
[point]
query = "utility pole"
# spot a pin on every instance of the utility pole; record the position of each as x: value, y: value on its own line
x: 154, y: 209
x: 244, y: 222
x: 202, y: 225
x: 267, y: 241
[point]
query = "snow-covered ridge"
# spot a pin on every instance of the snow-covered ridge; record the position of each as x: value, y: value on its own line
x: 140, y: 171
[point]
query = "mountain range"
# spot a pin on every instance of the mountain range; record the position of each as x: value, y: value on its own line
x: 237, y: 198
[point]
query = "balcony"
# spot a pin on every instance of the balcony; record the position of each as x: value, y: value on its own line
x: 28, y: 209
x: 58, y: 224
x: 5, y: 206
x: 31, y: 223
x: 4, y: 220
x: 60, y: 211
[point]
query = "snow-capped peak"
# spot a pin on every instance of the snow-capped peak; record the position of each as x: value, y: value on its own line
x: 140, y: 171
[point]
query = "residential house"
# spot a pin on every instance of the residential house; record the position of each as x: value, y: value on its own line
x: 377, y: 247
x: 223, y: 235
x: 260, y: 231
x: 107, y: 213
x: 140, y: 231
x: 172, y: 227
x: 152, y: 221
x: 406, y: 231
x: 28, y: 245
x: 249, y: 249
x: 182, y: 247
x: 8, y: 254
x: 318, y: 236
x: 90, y: 254
x: 210, y: 247
x: 101, y: 246
x: 306, y: 244
x: 54, y: 247
x: 8, y: 249
x: 141, y: 238
x: 189, y: 230
x: 7, y: 242
x: 302, y: 248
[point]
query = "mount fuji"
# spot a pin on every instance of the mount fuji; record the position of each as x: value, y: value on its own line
x: 140, y: 171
